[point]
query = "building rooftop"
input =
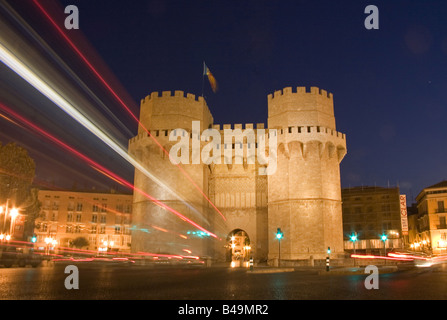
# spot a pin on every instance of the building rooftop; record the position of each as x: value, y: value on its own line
x: 442, y: 184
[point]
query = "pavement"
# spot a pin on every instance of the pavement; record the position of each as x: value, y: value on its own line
x: 322, y: 270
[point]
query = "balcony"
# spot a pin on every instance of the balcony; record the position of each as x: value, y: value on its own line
x: 441, y: 226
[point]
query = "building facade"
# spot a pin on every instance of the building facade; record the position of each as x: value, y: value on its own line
x: 430, y: 230
x: 103, y: 219
x: 258, y: 179
x: 369, y: 213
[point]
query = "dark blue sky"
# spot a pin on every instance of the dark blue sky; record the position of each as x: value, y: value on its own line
x: 389, y: 85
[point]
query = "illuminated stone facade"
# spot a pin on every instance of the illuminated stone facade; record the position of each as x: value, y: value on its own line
x: 430, y: 225
x: 301, y: 195
x: 98, y: 217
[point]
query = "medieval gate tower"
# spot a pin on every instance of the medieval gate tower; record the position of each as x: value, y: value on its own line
x: 302, y: 196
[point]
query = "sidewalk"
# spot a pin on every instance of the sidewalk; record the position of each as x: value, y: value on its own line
x: 321, y: 270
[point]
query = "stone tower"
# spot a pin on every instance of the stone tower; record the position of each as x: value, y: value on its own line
x: 304, y: 195
x: 157, y: 230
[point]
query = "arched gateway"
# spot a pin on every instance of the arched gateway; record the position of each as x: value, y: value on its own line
x: 238, y: 248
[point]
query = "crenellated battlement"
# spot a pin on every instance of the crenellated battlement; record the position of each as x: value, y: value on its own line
x: 301, y: 107
x: 292, y: 133
x: 172, y: 94
x: 300, y: 91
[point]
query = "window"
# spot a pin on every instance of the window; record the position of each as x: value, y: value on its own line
x: 93, y: 230
x: 77, y: 229
x: 95, y: 208
x: 69, y: 217
x: 102, y: 230
x: 103, y: 218
x: 117, y: 229
x: 79, y: 206
x: 94, y: 218
x: 442, y: 224
x: 104, y: 207
x: 78, y: 217
x: 126, y: 219
x: 69, y: 229
x: 441, y: 206
x: 386, y: 225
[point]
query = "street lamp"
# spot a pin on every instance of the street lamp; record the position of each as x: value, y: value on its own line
x: 13, y: 215
x: 279, y: 236
x: 384, y: 238
x: 48, y: 241
x: 354, y: 239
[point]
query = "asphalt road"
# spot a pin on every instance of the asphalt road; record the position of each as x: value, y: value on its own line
x: 131, y: 282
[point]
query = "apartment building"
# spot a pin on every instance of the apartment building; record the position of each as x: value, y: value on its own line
x: 103, y: 219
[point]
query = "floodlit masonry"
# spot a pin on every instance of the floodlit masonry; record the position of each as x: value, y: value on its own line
x: 301, y: 194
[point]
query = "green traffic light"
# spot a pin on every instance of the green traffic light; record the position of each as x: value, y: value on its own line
x: 353, y: 238
x: 384, y: 237
x: 279, y: 234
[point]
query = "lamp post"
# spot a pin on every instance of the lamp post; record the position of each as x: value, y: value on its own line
x: 279, y: 236
x: 384, y: 238
x: 5, y: 211
x: 354, y: 240
x: 13, y: 215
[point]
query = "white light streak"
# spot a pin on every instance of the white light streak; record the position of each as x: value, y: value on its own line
x: 9, y: 59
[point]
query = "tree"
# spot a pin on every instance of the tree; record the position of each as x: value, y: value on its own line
x: 17, y: 170
x: 80, y: 242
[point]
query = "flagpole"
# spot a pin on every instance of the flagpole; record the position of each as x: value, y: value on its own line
x: 203, y: 79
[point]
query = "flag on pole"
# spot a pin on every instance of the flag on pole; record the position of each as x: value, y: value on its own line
x: 211, y: 79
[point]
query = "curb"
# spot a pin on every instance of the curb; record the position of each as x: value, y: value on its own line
x: 349, y: 271
x: 271, y: 270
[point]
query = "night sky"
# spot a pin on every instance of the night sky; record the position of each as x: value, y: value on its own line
x: 389, y: 85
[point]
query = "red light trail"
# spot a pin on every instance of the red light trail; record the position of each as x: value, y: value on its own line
x: 121, y: 102
x: 100, y: 167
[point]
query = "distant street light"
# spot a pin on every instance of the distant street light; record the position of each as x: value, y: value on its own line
x: 354, y: 239
x: 279, y: 236
x: 384, y: 238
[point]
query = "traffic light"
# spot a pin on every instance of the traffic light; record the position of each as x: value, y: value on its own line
x: 354, y: 238
x: 384, y: 237
x: 279, y: 234
x: 33, y: 239
x: 328, y: 250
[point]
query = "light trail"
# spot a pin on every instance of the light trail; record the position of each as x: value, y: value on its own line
x: 20, y: 21
x: 23, y: 71
x: 121, y: 102
x: 116, y: 212
x: 360, y: 256
x: 100, y: 167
